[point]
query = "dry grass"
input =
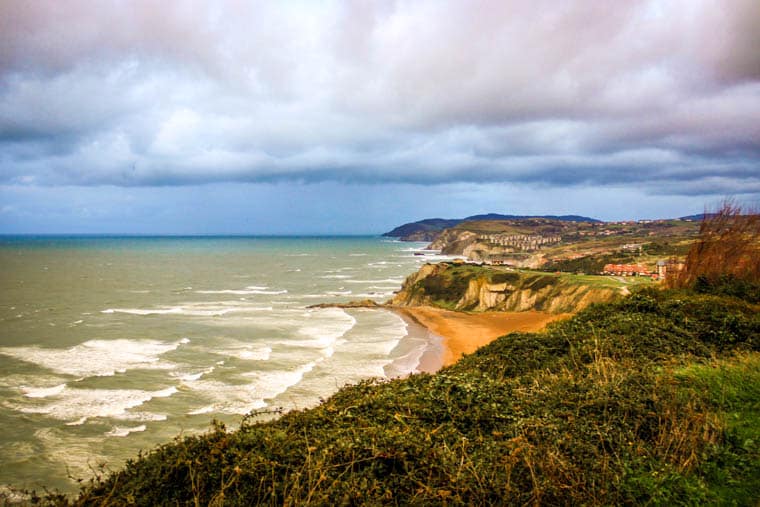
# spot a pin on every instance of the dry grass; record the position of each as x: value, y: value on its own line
x: 728, y: 245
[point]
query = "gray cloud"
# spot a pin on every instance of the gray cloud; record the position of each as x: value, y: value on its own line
x: 663, y: 96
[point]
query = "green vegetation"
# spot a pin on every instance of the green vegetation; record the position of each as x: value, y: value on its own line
x: 649, y: 400
x: 593, y: 263
x: 609, y: 282
x: 446, y: 285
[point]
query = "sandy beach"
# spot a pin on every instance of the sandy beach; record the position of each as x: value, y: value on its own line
x: 463, y: 333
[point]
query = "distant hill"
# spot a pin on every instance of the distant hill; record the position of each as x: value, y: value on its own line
x: 423, y: 226
x: 426, y: 230
x: 497, y: 216
x: 698, y: 217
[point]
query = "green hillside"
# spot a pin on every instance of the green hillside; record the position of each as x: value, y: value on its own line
x: 649, y: 400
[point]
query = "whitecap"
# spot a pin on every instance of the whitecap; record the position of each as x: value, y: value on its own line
x: 203, y: 410
x: 250, y: 354
x: 385, y: 280
x: 122, y: 431
x: 326, y: 326
x: 243, y: 398
x: 97, y: 357
x: 191, y: 377
x: 205, y: 309
x: 42, y: 392
x: 79, y: 405
x: 338, y: 292
x: 244, y: 292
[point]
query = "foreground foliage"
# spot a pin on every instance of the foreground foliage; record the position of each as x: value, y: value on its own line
x: 653, y: 399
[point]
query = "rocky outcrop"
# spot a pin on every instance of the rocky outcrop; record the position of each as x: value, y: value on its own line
x: 473, y: 288
x: 553, y: 297
x: 454, y: 241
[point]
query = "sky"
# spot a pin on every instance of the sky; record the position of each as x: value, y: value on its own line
x: 352, y: 117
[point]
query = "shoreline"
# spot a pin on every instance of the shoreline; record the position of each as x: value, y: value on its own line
x: 453, y: 334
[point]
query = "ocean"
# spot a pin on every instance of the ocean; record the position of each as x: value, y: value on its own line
x: 112, y: 345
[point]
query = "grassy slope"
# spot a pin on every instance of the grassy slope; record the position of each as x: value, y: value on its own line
x: 651, y: 399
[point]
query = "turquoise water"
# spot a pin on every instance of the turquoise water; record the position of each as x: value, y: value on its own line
x: 109, y: 345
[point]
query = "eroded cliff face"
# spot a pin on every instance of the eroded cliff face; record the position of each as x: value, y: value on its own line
x: 517, y: 297
x: 454, y: 241
x: 471, y: 288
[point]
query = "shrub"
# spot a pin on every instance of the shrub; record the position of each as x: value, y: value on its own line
x: 727, y: 250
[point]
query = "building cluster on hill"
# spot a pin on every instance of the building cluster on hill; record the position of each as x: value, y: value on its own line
x: 525, y: 242
x: 626, y: 270
x: 664, y: 269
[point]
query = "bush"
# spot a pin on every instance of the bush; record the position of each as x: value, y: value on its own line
x: 727, y: 251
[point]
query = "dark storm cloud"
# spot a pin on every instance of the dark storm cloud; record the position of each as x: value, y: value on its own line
x: 663, y: 96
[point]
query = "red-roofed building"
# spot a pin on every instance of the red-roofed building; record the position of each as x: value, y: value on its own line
x: 626, y: 270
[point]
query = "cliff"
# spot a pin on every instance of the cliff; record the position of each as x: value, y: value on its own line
x: 479, y: 288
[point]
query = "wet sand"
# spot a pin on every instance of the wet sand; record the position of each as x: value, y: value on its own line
x: 463, y: 333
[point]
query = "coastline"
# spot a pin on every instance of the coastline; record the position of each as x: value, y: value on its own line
x: 453, y: 334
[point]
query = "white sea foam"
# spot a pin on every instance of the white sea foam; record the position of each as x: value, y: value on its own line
x: 242, y: 398
x: 272, y: 383
x: 251, y: 354
x: 123, y: 431
x: 370, y: 295
x: 164, y: 393
x: 203, y: 410
x: 42, y: 392
x: 385, y: 280
x: 191, y: 377
x: 175, y: 310
x: 204, y: 309
x: 97, y: 357
x: 325, y: 327
x: 245, y: 292
x: 79, y: 405
x: 338, y: 292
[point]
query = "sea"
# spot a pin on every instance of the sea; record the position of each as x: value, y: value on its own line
x: 113, y: 345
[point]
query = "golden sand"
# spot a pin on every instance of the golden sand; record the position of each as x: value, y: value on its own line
x: 464, y: 332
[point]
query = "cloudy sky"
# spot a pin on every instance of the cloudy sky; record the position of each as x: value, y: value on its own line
x: 353, y: 117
